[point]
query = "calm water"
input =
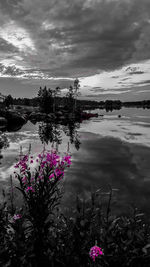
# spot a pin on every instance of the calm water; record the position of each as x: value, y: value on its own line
x: 105, y: 151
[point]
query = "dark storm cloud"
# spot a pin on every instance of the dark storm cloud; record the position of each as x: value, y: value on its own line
x: 82, y: 37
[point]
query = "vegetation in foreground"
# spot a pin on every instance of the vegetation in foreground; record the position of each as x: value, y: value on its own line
x: 39, y: 234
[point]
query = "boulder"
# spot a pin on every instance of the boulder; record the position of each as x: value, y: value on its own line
x: 37, y: 116
x: 3, y: 121
x: 59, y: 114
x: 12, y: 117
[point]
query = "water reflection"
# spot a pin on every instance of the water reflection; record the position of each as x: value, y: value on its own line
x: 3, y: 143
x: 71, y: 130
x: 104, y: 161
x: 114, y: 151
x: 52, y: 132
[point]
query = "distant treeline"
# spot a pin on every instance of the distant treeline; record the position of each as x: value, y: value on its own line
x: 88, y: 104
x: 60, y: 100
x: 64, y: 102
x: 117, y: 104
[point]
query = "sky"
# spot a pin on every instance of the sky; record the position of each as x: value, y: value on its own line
x: 104, y: 43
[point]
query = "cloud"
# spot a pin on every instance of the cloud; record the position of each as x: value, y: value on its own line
x: 10, y: 71
x: 17, y: 37
x: 31, y: 77
x: 79, y: 37
x: 105, y: 43
x: 6, y: 47
x: 133, y: 70
x: 117, y: 81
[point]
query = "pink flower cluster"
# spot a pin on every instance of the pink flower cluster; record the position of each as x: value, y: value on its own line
x: 46, y: 160
x: 22, y: 164
x: 17, y: 217
x: 30, y: 188
x: 95, y: 252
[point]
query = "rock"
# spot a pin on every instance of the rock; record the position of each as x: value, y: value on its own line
x: 12, y: 117
x: 71, y: 116
x: 3, y: 121
x: 61, y: 118
x: 86, y: 116
x: 59, y: 114
x: 39, y: 116
x: 51, y: 116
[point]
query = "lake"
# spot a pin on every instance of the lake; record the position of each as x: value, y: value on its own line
x: 107, y: 150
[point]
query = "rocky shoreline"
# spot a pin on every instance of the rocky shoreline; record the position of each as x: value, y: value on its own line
x: 14, y: 120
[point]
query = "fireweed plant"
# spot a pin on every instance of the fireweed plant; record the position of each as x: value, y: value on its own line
x: 95, y: 252
x: 41, y: 182
x: 41, y: 190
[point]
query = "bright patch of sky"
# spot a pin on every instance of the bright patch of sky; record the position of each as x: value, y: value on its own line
x: 112, y: 81
x: 17, y: 36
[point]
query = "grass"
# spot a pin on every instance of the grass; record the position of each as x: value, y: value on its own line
x: 39, y: 234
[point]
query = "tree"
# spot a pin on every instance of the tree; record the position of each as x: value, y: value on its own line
x: 76, y: 89
x: 73, y: 93
x: 8, y: 101
x: 56, y: 92
x: 45, y: 97
x: 70, y: 96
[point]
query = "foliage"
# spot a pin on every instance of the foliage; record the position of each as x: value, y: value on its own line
x: 8, y: 101
x: 56, y: 92
x: 70, y: 98
x: 45, y: 97
x: 50, y: 132
x: 39, y: 233
x: 72, y: 95
x: 3, y: 140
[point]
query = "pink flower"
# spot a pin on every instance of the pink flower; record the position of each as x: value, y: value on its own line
x: 48, y: 157
x: 30, y: 188
x: 43, y: 164
x: 17, y: 217
x: 24, y: 179
x: 16, y: 166
x: 95, y: 252
x: 50, y: 161
x: 67, y: 159
x: 51, y: 176
x: 59, y: 172
x: 25, y: 158
x: 62, y: 163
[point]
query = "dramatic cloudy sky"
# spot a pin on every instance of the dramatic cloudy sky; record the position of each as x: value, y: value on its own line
x: 105, y: 43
